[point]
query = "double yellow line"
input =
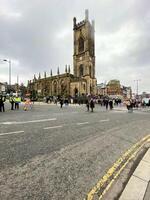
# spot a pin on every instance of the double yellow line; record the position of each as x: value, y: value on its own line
x: 106, y: 181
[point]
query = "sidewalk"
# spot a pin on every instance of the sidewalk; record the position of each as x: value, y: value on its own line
x: 138, y: 186
x: 124, y: 108
x: 53, y: 104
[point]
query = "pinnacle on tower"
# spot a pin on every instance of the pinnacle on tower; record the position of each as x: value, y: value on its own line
x: 39, y: 76
x: 44, y: 74
x: 66, y: 68
x: 86, y: 14
x: 34, y: 77
x: 58, y: 70
x: 69, y: 69
x: 74, y: 22
x: 51, y: 73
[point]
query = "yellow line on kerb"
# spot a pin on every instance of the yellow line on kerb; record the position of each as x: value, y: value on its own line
x: 114, y: 171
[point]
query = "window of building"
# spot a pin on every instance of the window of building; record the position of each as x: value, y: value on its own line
x: 81, y: 44
x: 90, y: 71
x: 81, y: 70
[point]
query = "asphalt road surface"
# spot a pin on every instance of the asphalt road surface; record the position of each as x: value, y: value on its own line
x: 49, y: 153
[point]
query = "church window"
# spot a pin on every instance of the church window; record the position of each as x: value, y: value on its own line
x: 90, y: 71
x: 55, y: 87
x: 81, y: 70
x: 81, y: 44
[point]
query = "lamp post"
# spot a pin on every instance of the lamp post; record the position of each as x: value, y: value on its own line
x: 137, y: 86
x: 9, y: 62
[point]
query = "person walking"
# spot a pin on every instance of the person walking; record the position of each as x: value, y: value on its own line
x: 87, y: 104
x: 106, y: 103
x: 17, y: 102
x: 2, y: 100
x: 61, y: 102
x: 110, y: 104
x: 12, y: 101
x: 92, y: 105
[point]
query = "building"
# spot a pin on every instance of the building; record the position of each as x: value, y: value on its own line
x: 2, y: 87
x: 83, y: 80
x: 114, y: 89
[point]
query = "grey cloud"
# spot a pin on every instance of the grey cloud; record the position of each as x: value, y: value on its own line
x: 42, y: 37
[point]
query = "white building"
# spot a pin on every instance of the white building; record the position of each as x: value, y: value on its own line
x: 2, y: 87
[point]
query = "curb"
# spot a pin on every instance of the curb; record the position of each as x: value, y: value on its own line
x: 107, y: 180
x: 139, y: 179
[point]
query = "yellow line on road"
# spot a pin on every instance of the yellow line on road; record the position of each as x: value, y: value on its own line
x: 104, y: 184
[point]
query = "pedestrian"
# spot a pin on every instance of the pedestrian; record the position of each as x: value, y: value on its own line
x: 12, y: 101
x: 92, y: 105
x: 106, y: 103
x: 17, y: 102
x: 110, y: 104
x: 61, y: 102
x: 87, y: 104
x: 2, y: 100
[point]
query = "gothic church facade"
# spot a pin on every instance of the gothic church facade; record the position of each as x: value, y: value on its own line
x: 83, y: 80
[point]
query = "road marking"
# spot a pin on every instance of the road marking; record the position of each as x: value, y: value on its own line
x: 106, y: 181
x: 51, y: 127
x: 1, y: 134
x: 104, y: 120
x: 82, y: 123
x: 26, y: 122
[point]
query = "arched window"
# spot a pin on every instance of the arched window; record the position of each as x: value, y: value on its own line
x: 81, y: 70
x: 75, y: 91
x: 55, y: 87
x: 81, y: 44
x: 90, y: 71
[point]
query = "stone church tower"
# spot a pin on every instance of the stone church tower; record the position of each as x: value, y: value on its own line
x: 84, y: 52
x: 82, y: 81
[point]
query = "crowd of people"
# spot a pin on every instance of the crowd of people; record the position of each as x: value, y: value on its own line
x: 15, y: 101
x: 89, y: 101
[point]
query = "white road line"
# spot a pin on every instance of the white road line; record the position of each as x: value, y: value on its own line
x: 26, y: 122
x: 82, y: 123
x: 1, y: 134
x: 51, y: 127
x: 104, y: 120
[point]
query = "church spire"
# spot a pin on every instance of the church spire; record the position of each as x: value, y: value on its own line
x: 39, y: 75
x: 45, y: 74
x: 66, y: 68
x: 86, y: 15
x: 58, y: 70
x: 69, y: 69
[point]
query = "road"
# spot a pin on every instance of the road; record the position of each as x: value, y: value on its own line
x: 53, y: 153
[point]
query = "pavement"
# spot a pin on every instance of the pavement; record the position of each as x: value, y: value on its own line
x: 138, y: 186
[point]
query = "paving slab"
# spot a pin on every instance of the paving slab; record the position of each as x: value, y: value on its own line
x: 143, y: 171
x: 147, y: 194
x: 147, y: 156
x: 135, y: 189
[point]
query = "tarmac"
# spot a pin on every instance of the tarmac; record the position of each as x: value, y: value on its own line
x: 138, y: 186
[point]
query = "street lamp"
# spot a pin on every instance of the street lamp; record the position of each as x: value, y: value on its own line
x: 137, y: 86
x: 9, y: 62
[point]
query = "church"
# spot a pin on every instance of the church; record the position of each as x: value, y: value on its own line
x: 82, y: 81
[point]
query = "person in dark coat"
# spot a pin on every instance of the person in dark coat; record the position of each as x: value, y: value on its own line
x: 87, y: 104
x: 111, y: 104
x: 92, y: 105
x: 106, y: 103
x: 61, y: 102
x: 2, y: 100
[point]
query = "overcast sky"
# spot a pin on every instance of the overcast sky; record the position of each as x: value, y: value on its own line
x: 37, y: 36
